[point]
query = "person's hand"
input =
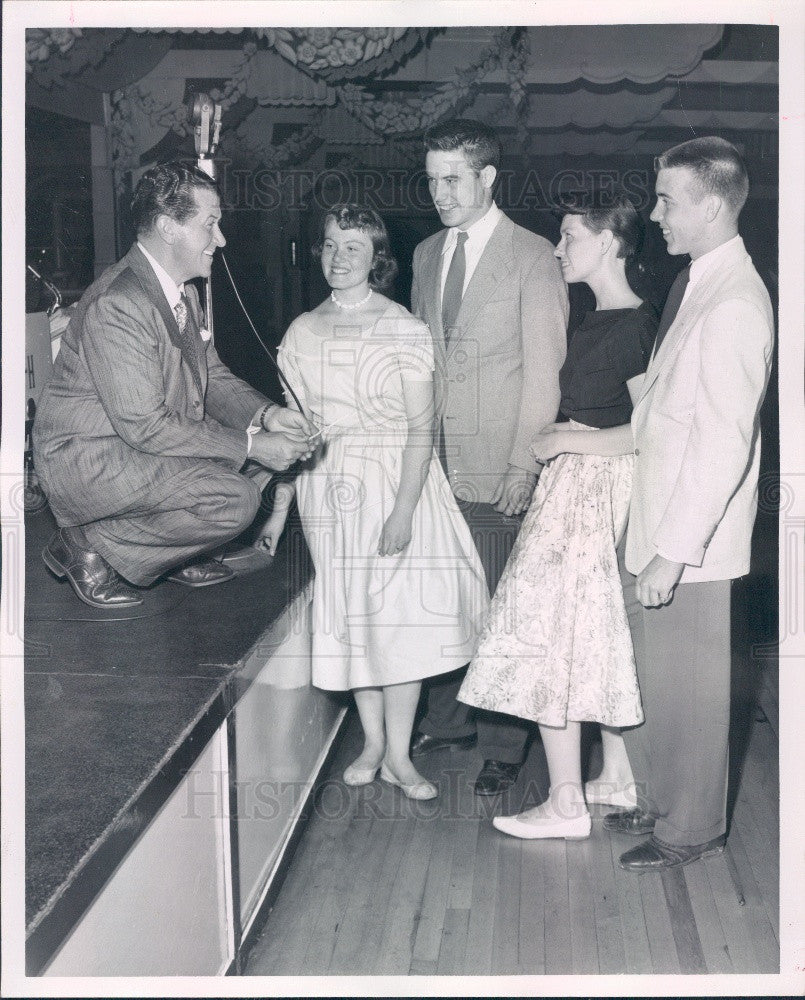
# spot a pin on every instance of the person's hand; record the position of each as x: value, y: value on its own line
x: 290, y: 422
x: 514, y: 491
x: 549, y: 442
x: 396, y: 533
x: 271, y: 532
x: 655, y: 585
x: 278, y: 451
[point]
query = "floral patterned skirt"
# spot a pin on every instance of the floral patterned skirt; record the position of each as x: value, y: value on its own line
x: 556, y: 644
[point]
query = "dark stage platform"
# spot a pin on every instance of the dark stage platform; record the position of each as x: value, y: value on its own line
x: 117, y: 708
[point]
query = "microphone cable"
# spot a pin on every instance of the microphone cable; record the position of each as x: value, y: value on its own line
x: 268, y: 353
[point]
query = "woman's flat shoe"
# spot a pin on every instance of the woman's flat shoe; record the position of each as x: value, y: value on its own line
x: 360, y: 775
x: 421, y: 790
x: 577, y: 828
x: 597, y: 793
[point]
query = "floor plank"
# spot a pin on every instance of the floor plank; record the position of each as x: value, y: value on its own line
x: 558, y: 947
x: 454, y: 942
x: 478, y: 951
x: 708, y: 924
x: 372, y: 961
x: 732, y: 915
x: 583, y: 941
x: 531, y: 928
x: 428, y: 937
x: 405, y: 905
x: 462, y: 867
x: 505, y: 944
x: 683, y: 923
x: 664, y: 958
x: 764, y: 858
x: 608, y: 929
x: 351, y: 940
x: 336, y: 890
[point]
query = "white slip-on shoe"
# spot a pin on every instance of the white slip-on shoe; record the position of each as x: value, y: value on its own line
x: 599, y: 793
x: 360, y: 775
x: 421, y: 790
x: 575, y: 828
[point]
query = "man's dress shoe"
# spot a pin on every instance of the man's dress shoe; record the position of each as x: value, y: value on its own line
x: 495, y: 777
x: 202, y: 573
x: 656, y: 856
x: 92, y: 578
x: 423, y: 743
x: 632, y: 821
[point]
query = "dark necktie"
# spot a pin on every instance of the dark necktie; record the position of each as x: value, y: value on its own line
x: 454, y: 286
x: 672, y: 304
x: 188, y: 337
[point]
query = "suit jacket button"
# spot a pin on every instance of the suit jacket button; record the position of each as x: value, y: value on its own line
x: 637, y: 451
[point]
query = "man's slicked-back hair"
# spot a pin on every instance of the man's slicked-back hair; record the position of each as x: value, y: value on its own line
x: 717, y: 165
x: 167, y: 189
x: 477, y: 141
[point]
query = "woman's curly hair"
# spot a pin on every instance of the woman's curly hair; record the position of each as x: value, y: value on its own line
x: 348, y: 215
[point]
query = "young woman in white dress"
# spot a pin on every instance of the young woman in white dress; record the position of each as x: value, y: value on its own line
x: 556, y: 647
x: 399, y: 593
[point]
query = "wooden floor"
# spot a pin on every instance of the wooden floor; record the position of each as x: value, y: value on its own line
x: 380, y: 885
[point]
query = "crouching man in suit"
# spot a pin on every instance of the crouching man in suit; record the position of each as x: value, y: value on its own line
x: 496, y: 303
x: 142, y: 434
x: 694, y: 499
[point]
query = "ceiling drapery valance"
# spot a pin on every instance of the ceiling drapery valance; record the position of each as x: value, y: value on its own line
x: 558, y: 89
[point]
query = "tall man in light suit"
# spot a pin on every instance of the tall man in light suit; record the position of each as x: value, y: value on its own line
x: 497, y: 307
x: 142, y: 433
x: 697, y: 450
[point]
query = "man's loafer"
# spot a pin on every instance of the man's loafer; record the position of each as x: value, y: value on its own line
x: 632, y: 821
x: 202, y: 573
x: 423, y: 743
x: 92, y: 578
x: 495, y: 777
x: 656, y: 856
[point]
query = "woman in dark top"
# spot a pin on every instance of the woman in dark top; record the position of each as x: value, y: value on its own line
x: 556, y: 647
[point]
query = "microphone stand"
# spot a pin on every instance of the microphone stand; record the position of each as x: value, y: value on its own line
x: 206, y: 130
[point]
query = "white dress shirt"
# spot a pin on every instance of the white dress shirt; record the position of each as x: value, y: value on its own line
x: 708, y: 261
x: 173, y: 292
x: 478, y: 235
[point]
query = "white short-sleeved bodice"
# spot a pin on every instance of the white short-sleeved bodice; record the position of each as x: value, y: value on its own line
x: 377, y: 620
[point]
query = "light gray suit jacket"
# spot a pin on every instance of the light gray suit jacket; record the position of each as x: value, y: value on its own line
x: 497, y: 383
x: 123, y: 410
x: 696, y: 427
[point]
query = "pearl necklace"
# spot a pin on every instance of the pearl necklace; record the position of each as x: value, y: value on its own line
x: 354, y: 305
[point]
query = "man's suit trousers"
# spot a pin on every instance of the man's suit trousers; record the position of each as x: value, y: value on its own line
x: 500, y: 737
x: 679, y: 755
x: 198, y: 506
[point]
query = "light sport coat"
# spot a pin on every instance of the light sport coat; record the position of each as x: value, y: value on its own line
x: 122, y: 411
x: 497, y: 383
x: 696, y: 427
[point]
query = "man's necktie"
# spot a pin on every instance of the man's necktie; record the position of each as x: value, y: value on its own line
x: 454, y: 286
x: 189, y: 338
x: 672, y: 304
x: 182, y: 313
